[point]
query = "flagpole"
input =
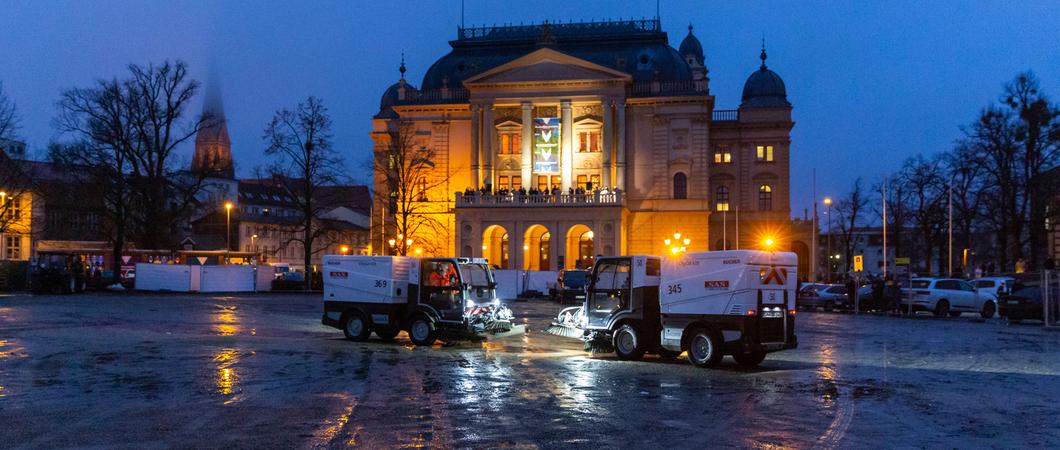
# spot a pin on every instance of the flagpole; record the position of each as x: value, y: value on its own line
x: 725, y: 229
x: 813, y: 238
x: 737, y: 227
x: 883, y: 194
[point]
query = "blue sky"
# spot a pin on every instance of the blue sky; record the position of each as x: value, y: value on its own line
x: 871, y: 82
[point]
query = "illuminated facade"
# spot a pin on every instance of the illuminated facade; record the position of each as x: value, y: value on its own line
x: 560, y: 142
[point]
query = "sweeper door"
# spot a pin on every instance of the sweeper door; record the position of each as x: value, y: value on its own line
x: 442, y: 289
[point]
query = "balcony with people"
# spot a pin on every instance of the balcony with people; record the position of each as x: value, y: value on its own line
x: 539, y: 198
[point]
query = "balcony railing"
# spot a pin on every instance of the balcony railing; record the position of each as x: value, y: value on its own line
x: 726, y: 115
x: 517, y: 200
x: 435, y: 96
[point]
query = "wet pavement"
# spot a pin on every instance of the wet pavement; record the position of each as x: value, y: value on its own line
x: 138, y: 370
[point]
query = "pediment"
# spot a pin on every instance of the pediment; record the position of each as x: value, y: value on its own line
x: 546, y: 65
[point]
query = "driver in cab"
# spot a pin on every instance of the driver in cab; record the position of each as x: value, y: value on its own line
x: 443, y: 275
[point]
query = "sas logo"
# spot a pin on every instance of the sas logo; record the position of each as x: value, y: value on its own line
x: 773, y: 275
x: 720, y: 284
x: 337, y: 274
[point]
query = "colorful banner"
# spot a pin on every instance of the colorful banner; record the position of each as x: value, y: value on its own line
x: 546, y: 145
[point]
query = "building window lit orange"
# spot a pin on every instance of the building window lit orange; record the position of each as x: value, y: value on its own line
x: 721, y: 198
x: 589, y: 141
x: 722, y: 155
x: 764, y: 153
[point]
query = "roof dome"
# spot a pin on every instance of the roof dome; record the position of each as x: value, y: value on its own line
x: 764, y: 88
x: 691, y: 46
x: 391, y: 95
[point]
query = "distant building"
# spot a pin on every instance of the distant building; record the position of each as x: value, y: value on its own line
x: 1048, y: 187
x: 569, y: 109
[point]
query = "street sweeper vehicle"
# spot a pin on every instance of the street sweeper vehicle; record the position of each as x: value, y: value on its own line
x: 708, y: 304
x: 428, y: 298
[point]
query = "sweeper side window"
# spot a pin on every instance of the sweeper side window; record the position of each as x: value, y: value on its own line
x: 610, y: 286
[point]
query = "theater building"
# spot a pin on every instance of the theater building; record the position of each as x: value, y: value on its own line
x: 586, y: 139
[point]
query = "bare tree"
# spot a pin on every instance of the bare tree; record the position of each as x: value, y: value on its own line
x: 1038, y: 133
x: 124, y: 134
x: 306, y: 162
x: 9, y: 118
x: 923, y: 177
x: 850, y: 210
x: 406, y: 177
x: 157, y: 99
x: 993, y: 139
x: 964, y: 170
x: 97, y: 119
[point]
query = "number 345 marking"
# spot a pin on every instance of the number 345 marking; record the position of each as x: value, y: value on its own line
x: 673, y: 289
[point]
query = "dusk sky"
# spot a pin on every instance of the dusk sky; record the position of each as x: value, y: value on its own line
x: 871, y: 82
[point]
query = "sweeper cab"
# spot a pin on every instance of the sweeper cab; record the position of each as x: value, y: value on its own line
x: 708, y: 304
x: 426, y: 297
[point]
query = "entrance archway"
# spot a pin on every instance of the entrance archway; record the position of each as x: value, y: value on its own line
x: 536, y: 254
x: 580, y: 247
x: 495, y: 246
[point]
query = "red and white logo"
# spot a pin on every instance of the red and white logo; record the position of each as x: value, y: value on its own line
x: 338, y: 274
x: 720, y: 284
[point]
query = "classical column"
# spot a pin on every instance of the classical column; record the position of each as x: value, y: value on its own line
x: 527, y: 145
x: 605, y: 179
x: 489, y: 136
x: 474, y: 146
x: 566, y: 141
x: 620, y: 150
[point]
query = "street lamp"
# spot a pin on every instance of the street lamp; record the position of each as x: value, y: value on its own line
x: 392, y: 243
x: 253, y: 238
x: 828, y: 212
x: 344, y: 249
x: 678, y: 245
x: 228, y: 226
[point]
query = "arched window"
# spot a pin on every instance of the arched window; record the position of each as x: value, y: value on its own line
x: 721, y: 199
x: 765, y: 197
x: 680, y: 185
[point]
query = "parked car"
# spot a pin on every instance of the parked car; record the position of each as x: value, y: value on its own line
x: 1025, y: 302
x: 993, y: 285
x: 828, y: 296
x: 948, y: 296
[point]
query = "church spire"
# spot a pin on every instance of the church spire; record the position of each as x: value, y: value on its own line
x: 213, y: 148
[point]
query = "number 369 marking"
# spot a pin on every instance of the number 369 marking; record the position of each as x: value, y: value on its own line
x: 380, y: 283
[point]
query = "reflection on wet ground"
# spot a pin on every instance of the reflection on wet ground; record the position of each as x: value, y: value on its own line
x: 260, y: 371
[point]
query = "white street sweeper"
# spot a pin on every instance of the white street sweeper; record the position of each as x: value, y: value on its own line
x: 708, y: 304
x: 426, y: 297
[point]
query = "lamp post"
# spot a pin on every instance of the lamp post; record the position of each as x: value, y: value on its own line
x: 828, y: 212
x: 228, y: 226
x: 392, y: 242
x: 253, y: 248
x: 344, y: 249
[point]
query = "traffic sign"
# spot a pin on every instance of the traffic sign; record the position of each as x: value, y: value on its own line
x: 859, y: 264
x: 901, y: 261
